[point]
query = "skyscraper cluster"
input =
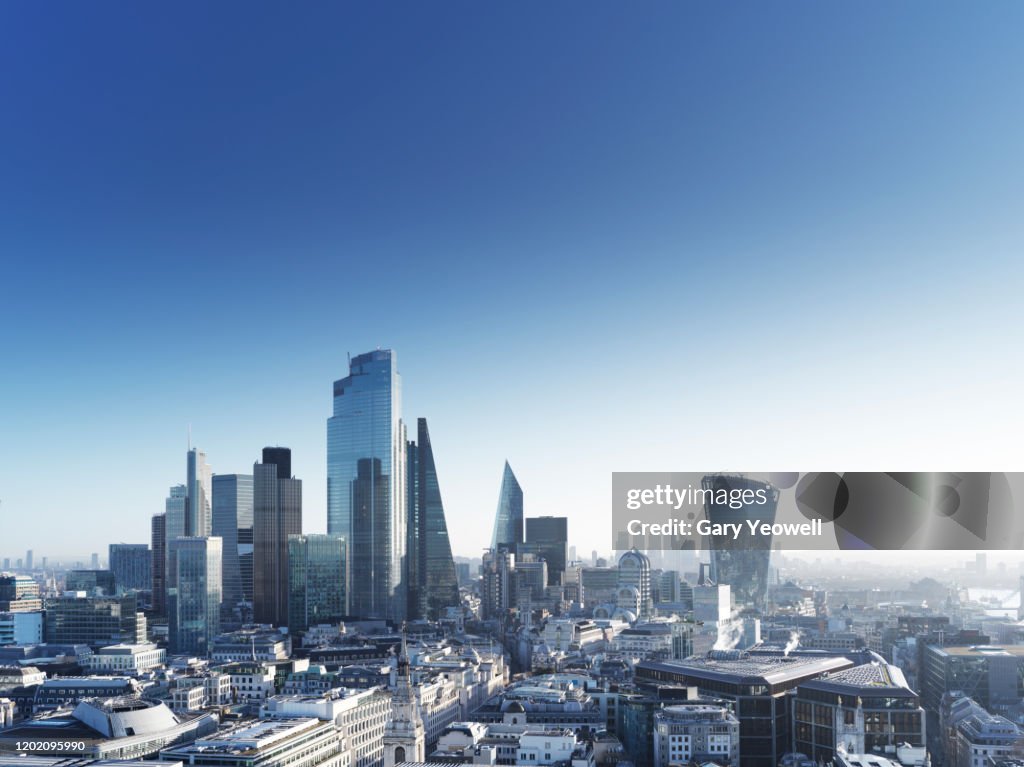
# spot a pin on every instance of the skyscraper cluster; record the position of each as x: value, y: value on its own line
x: 230, y: 548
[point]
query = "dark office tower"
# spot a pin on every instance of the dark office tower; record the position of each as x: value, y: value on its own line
x: 366, y: 484
x: 741, y: 562
x: 548, y: 538
x: 158, y: 563
x: 197, y: 485
x: 276, y: 514
x: 317, y: 578
x: 433, y: 584
x: 130, y: 563
x: 232, y: 512
x: 508, y: 522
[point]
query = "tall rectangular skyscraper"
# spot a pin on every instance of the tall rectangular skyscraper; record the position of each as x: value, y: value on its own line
x: 366, y: 483
x: 176, y: 510
x: 277, y: 513
x: 158, y: 559
x: 194, y: 595
x: 548, y: 538
x: 232, y: 513
x: 198, y: 491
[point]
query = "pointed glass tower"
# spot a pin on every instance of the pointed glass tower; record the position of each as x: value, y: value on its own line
x: 508, y: 522
x: 433, y: 584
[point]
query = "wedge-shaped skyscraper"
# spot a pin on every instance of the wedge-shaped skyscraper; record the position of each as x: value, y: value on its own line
x: 433, y: 584
x: 508, y: 522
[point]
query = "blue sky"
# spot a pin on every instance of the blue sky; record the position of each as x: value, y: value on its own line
x: 600, y: 237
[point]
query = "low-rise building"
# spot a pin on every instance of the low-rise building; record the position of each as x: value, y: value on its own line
x: 291, y: 743
x: 684, y: 734
x: 127, y: 658
x: 118, y: 728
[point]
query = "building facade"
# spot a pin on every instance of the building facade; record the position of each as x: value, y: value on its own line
x: 277, y: 513
x: 366, y: 483
x: 317, y: 577
x: 194, y: 594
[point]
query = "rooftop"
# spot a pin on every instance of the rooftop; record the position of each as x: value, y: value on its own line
x: 741, y: 668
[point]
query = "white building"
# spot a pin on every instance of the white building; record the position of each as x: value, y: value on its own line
x: 127, y: 659
x: 360, y: 715
x: 290, y: 743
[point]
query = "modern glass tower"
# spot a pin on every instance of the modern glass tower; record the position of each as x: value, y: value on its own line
x: 276, y: 514
x: 548, y: 538
x: 366, y: 484
x: 508, y: 522
x: 317, y: 577
x: 194, y: 595
x: 131, y: 565
x: 741, y: 562
x: 158, y: 566
x: 232, y: 513
x: 433, y: 584
x: 176, y: 511
x: 198, y: 492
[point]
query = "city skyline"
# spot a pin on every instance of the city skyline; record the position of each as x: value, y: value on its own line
x: 758, y: 244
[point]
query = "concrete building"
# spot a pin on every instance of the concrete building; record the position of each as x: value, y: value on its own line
x: 360, y: 715
x: 758, y: 686
x: 291, y: 743
x: 126, y: 659
x: 864, y: 709
x: 684, y: 734
x: 120, y: 728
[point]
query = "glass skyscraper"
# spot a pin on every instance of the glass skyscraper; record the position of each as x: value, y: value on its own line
x: 508, y: 521
x: 276, y: 514
x: 317, y: 577
x: 158, y: 565
x: 197, y: 486
x: 433, y: 584
x: 131, y: 565
x: 176, y: 510
x: 232, y: 513
x: 194, y: 593
x: 548, y: 538
x: 366, y: 484
x: 741, y: 562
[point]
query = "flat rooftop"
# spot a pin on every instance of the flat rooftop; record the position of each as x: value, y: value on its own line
x: 751, y: 669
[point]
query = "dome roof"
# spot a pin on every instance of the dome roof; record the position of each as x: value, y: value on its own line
x: 515, y: 707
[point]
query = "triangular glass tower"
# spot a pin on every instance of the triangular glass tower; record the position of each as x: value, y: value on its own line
x: 508, y: 522
x: 433, y: 584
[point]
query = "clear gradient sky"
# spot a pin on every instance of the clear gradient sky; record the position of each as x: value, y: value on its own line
x: 600, y: 236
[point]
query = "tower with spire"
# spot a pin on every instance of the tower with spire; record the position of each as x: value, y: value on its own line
x: 404, y: 735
